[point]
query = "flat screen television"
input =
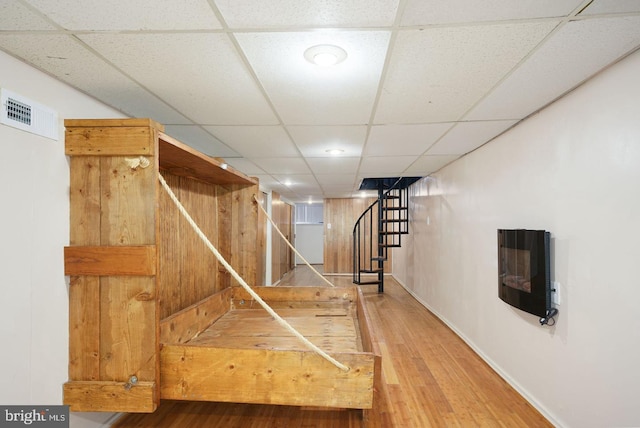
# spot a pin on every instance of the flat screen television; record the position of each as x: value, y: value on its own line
x: 524, y: 279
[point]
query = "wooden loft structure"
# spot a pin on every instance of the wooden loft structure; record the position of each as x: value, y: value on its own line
x: 153, y: 315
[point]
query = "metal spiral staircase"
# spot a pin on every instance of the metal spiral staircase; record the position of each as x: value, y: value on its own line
x: 380, y: 227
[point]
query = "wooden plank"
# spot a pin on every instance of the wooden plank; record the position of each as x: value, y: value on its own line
x: 242, y: 323
x: 184, y: 325
x: 109, y: 141
x: 92, y: 123
x: 182, y: 160
x: 84, y: 200
x: 298, y: 378
x: 128, y: 203
x: 169, y: 241
x: 306, y: 294
x: 110, y: 260
x: 84, y: 328
x: 332, y: 344
x: 128, y: 341
x: 110, y: 397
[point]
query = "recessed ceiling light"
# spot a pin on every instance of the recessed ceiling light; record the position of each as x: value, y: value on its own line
x: 325, y: 55
x: 334, y: 151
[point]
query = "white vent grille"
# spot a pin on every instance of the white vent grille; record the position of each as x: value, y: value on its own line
x: 22, y: 113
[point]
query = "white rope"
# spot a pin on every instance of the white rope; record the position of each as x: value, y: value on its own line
x: 242, y: 282
x: 289, y: 243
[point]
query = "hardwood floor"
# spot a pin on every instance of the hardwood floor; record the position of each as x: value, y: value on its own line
x: 430, y: 378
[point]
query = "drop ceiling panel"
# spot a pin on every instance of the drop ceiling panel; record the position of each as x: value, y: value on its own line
x: 282, y: 165
x: 426, y: 165
x: 380, y: 166
x: 468, y: 136
x: 65, y: 58
x: 335, y: 165
x: 429, y: 12
x: 136, y: 15
x: 612, y: 6
x: 306, y: 94
x: 246, y: 166
x: 574, y: 53
x: 256, y: 141
x: 437, y: 74
x: 314, y: 141
x: 330, y: 180
x: 297, y: 13
x: 16, y: 16
x: 201, y: 140
x: 388, y: 140
x: 171, y: 66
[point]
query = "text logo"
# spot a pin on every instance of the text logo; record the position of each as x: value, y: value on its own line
x: 34, y: 416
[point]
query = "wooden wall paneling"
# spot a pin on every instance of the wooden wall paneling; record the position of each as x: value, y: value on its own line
x: 199, y: 265
x: 244, y: 232
x: 342, y: 215
x: 276, y: 273
x: 169, y: 239
x: 281, y: 257
x: 263, y: 223
x: 225, y: 221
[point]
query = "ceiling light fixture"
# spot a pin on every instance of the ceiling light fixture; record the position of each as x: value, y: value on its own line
x: 325, y: 55
x: 334, y: 151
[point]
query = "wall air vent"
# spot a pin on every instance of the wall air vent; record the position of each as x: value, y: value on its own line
x: 22, y: 113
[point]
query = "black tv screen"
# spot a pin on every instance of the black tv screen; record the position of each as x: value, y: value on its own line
x: 524, y: 279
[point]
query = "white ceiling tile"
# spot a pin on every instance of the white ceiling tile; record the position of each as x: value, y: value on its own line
x: 314, y: 141
x: 335, y: 165
x: 171, y: 65
x: 283, y: 165
x: 467, y: 136
x: 256, y: 141
x: 16, y: 16
x: 68, y: 60
x: 426, y: 165
x: 331, y: 180
x: 380, y: 166
x: 245, y: 166
x: 201, y: 140
x: 612, y: 6
x: 437, y: 74
x: 574, y: 53
x: 297, y: 13
x: 306, y: 94
x: 388, y: 140
x: 129, y: 15
x: 429, y: 12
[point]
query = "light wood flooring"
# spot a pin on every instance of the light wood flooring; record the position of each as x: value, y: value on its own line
x: 430, y: 378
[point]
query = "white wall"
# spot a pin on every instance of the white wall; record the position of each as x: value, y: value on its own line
x: 34, y: 228
x: 572, y: 169
x: 310, y: 243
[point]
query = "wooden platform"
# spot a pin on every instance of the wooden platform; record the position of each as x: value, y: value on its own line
x: 333, y: 330
x: 430, y: 378
x: 227, y: 348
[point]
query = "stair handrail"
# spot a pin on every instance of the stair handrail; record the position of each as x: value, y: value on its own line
x: 356, y: 239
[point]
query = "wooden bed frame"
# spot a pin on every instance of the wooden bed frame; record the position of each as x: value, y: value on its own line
x: 153, y: 315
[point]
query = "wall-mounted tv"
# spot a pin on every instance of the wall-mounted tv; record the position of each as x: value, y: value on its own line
x: 524, y: 265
